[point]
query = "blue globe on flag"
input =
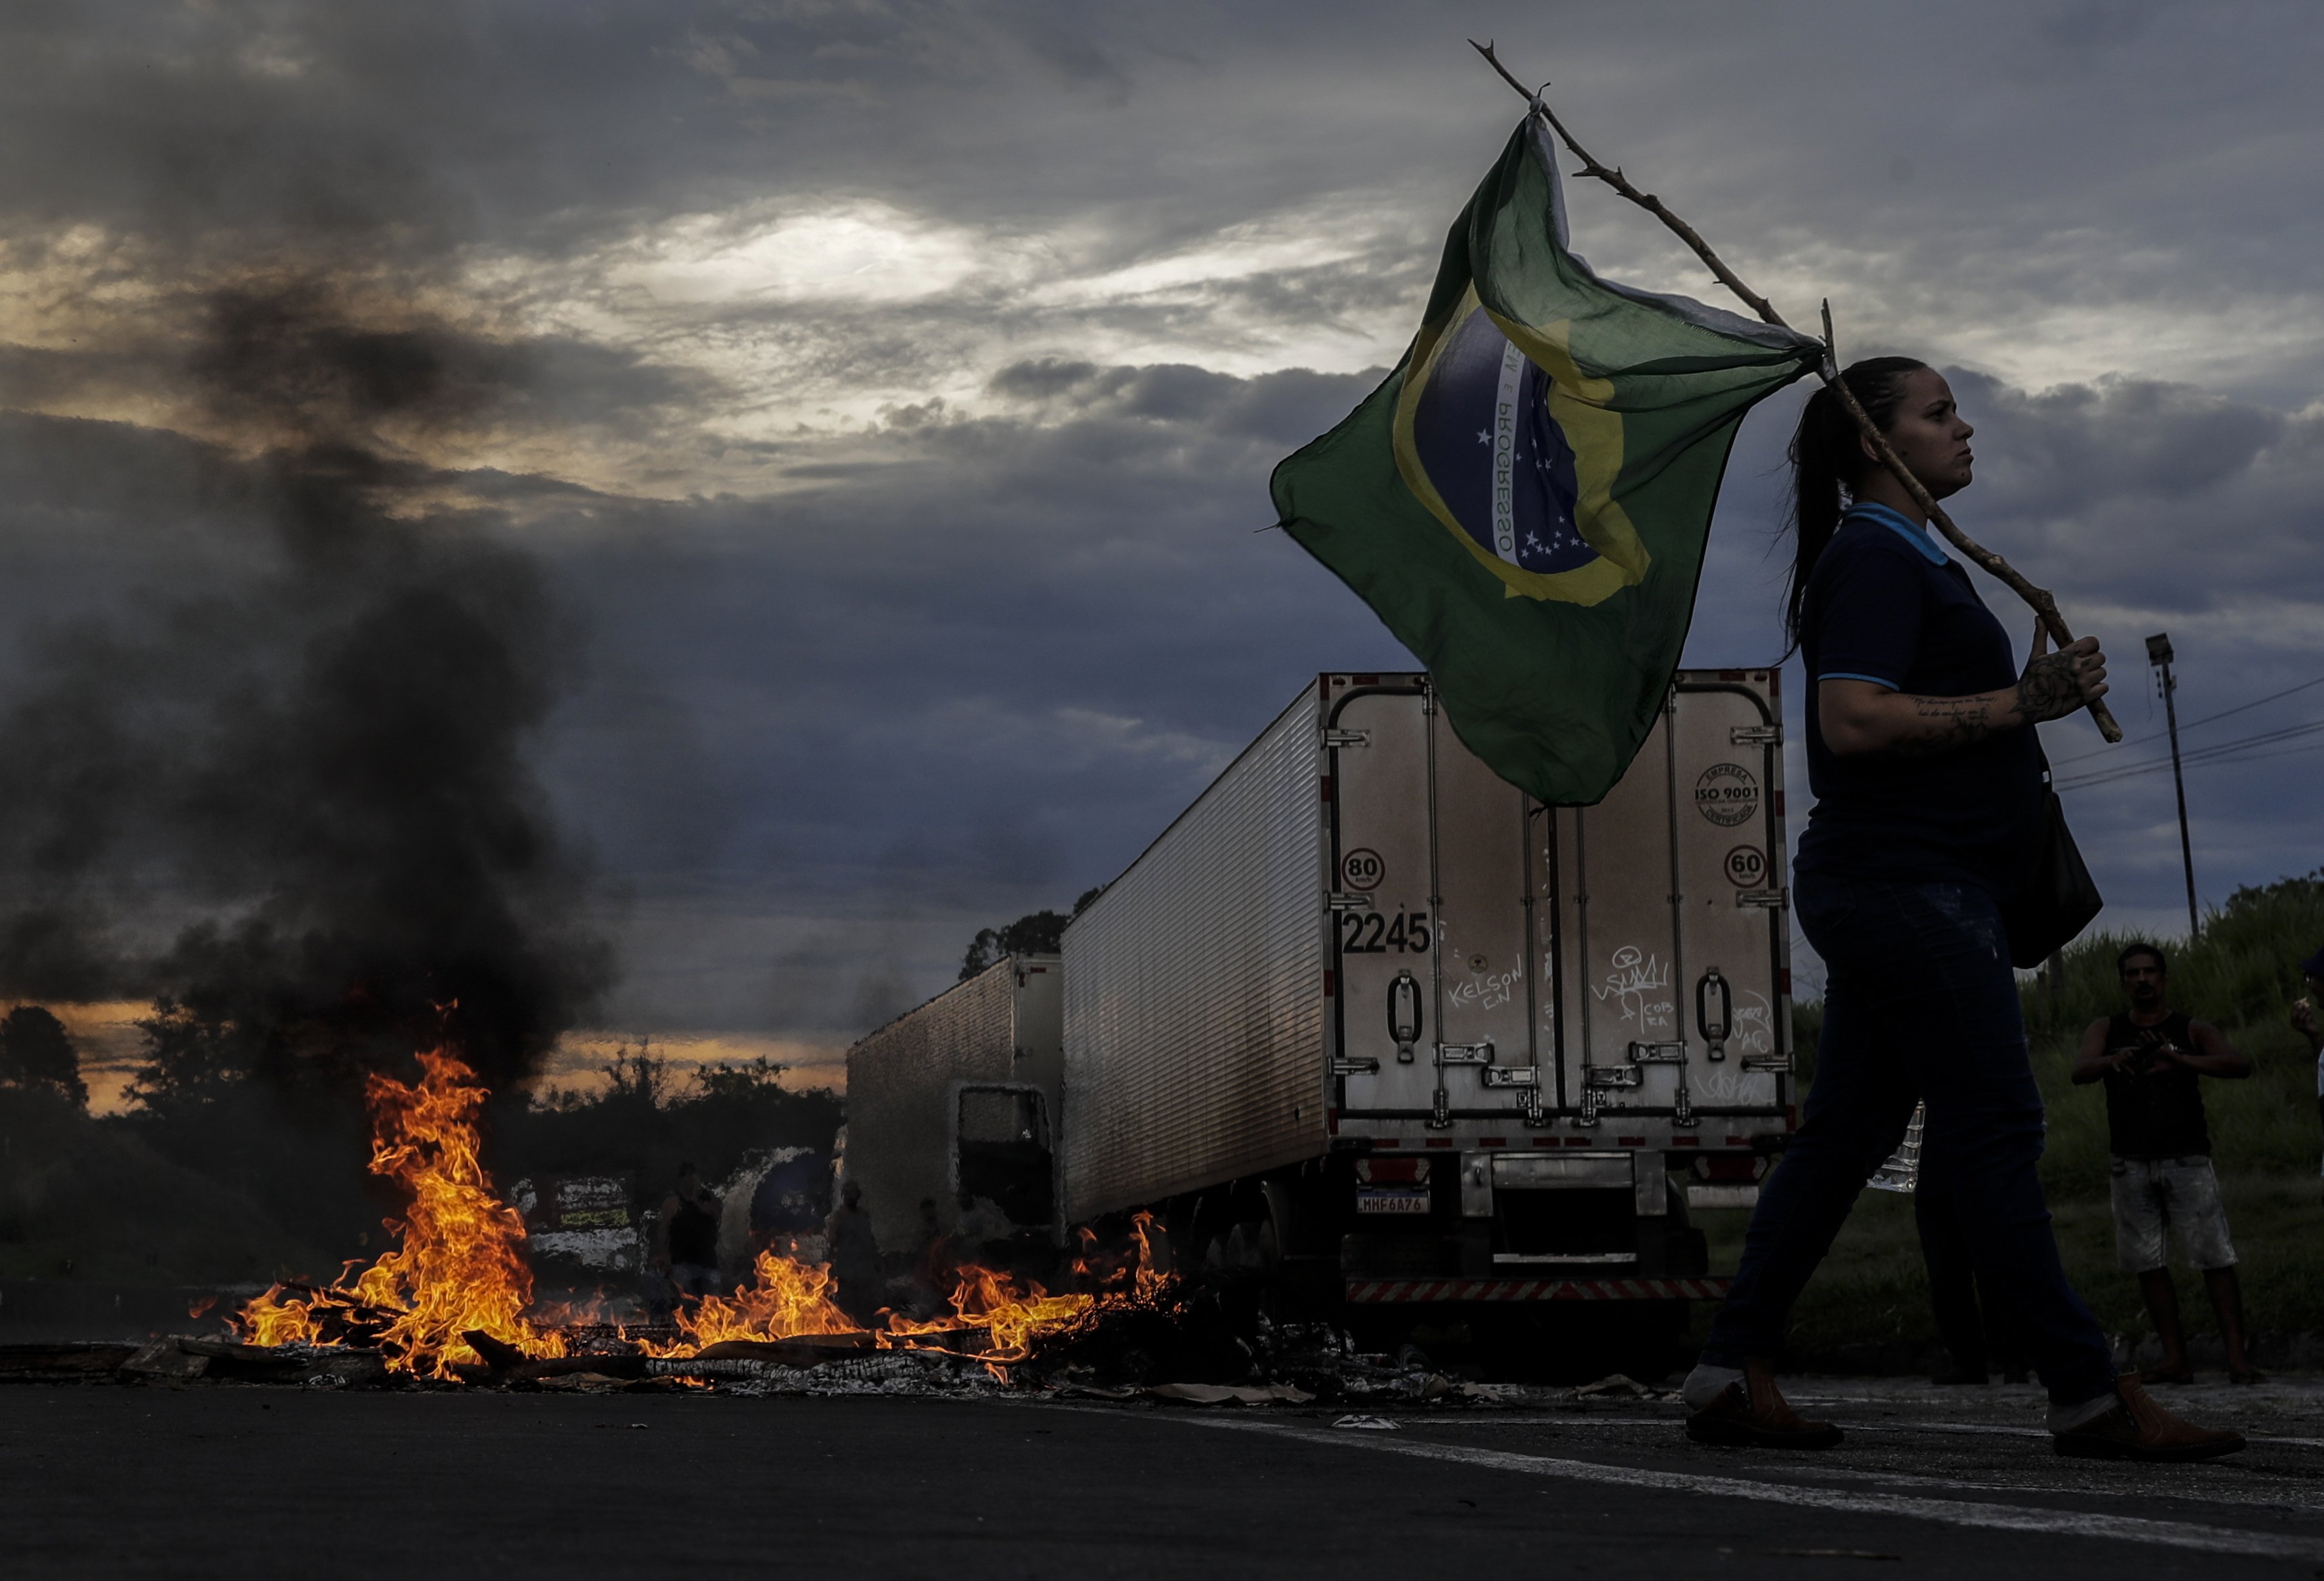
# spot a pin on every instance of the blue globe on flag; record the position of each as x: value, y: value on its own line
x: 1483, y: 432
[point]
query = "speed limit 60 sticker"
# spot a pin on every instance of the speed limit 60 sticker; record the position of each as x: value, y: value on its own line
x: 1747, y: 867
x: 1727, y: 794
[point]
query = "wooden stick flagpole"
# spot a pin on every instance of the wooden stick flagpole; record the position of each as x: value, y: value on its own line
x: 2039, y: 598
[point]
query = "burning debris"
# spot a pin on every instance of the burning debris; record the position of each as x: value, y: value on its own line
x: 459, y: 1269
x: 451, y: 1305
x: 449, y: 1302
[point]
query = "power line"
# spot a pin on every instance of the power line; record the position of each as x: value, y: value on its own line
x: 2235, y: 750
x: 2282, y: 751
x: 2256, y: 702
x: 2205, y: 719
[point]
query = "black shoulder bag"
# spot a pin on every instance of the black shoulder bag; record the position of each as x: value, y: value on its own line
x: 2058, y: 899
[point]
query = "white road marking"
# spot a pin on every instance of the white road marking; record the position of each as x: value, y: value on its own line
x: 1997, y: 1430
x: 2299, y: 1499
x: 1664, y: 1423
x: 1949, y: 1512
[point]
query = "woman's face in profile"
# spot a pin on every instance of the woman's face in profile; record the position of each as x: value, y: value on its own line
x: 1928, y: 435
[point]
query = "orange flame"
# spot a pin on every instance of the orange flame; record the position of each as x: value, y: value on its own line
x: 792, y: 1298
x: 788, y: 1299
x: 457, y: 1267
x: 1015, y: 1318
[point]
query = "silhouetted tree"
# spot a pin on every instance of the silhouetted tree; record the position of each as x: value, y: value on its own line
x: 192, y: 1057
x: 37, y: 1054
x: 644, y: 1118
x: 1035, y: 933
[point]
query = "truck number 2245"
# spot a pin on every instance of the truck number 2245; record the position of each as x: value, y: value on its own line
x: 1370, y: 933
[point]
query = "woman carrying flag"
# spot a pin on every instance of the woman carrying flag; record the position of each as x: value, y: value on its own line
x: 1927, y: 774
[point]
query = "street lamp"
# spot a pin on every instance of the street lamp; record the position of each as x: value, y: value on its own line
x: 2158, y: 654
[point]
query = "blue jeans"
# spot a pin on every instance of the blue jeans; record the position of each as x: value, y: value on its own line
x: 1976, y: 1326
x: 1919, y: 1004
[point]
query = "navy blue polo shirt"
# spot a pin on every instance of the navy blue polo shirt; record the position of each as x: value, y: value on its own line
x: 1885, y: 604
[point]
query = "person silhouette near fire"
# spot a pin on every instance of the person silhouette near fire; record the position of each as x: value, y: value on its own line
x: 686, y: 1242
x: 854, y: 1253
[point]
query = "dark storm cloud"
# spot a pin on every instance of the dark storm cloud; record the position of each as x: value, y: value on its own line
x: 972, y: 671
x: 980, y: 677
x: 423, y: 128
x: 975, y: 681
x: 962, y: 664
x: 282, y: 360
x: 285, y: 359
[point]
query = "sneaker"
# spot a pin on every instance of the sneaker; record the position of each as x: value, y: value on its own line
x: 1751, y: 1412
x: 2136, y: 1428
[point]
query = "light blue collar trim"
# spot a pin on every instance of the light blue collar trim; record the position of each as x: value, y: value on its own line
x: 1920, y: 537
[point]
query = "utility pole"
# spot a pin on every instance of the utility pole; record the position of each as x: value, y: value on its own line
x: 2158, y: 654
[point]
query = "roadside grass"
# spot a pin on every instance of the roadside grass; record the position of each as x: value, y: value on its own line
x: 1869, y: 1302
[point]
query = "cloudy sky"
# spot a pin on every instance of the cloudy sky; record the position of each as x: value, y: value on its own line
x: 884, y: 390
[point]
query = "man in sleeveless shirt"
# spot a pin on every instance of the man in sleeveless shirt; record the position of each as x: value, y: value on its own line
x: 2152, y: 1059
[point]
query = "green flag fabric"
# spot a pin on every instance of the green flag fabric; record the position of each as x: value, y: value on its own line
x: 1525, y: 501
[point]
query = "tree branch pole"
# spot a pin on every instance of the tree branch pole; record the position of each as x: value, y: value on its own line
x: 2038, y: 598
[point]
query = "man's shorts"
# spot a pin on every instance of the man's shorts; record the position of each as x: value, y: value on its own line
x: 2180, y: 1196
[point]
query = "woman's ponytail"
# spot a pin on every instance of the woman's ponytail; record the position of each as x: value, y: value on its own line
x: 1827, y: 464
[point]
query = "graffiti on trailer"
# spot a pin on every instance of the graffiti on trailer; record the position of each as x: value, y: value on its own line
x: 1755, y: 1026
x: 1634, y: 975
x: 1484, y: 991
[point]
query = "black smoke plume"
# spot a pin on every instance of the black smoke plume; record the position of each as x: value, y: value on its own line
x: 295, y: 801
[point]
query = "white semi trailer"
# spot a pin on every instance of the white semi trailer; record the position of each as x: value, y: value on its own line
x: 960, y: 1095
x: 1369, y: 1019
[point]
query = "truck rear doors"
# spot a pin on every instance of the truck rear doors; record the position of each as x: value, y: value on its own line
x: 1670, y: 909
x: 1431, y: 912
x: 1497, y: 959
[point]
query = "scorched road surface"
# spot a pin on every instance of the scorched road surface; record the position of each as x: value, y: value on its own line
x: 245, y: 1481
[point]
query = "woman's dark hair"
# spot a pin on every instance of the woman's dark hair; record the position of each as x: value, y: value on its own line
x: 1828, y: 463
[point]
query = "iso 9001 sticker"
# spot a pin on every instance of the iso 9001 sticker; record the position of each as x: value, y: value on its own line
x: 1727, y: 794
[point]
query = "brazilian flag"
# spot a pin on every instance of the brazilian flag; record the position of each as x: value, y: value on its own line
x: 1525, y: 501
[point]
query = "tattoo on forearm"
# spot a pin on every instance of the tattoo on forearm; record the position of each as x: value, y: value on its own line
x: 1948, y: 723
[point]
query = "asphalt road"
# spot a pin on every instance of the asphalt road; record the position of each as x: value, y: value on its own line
x: 249, y: 1480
